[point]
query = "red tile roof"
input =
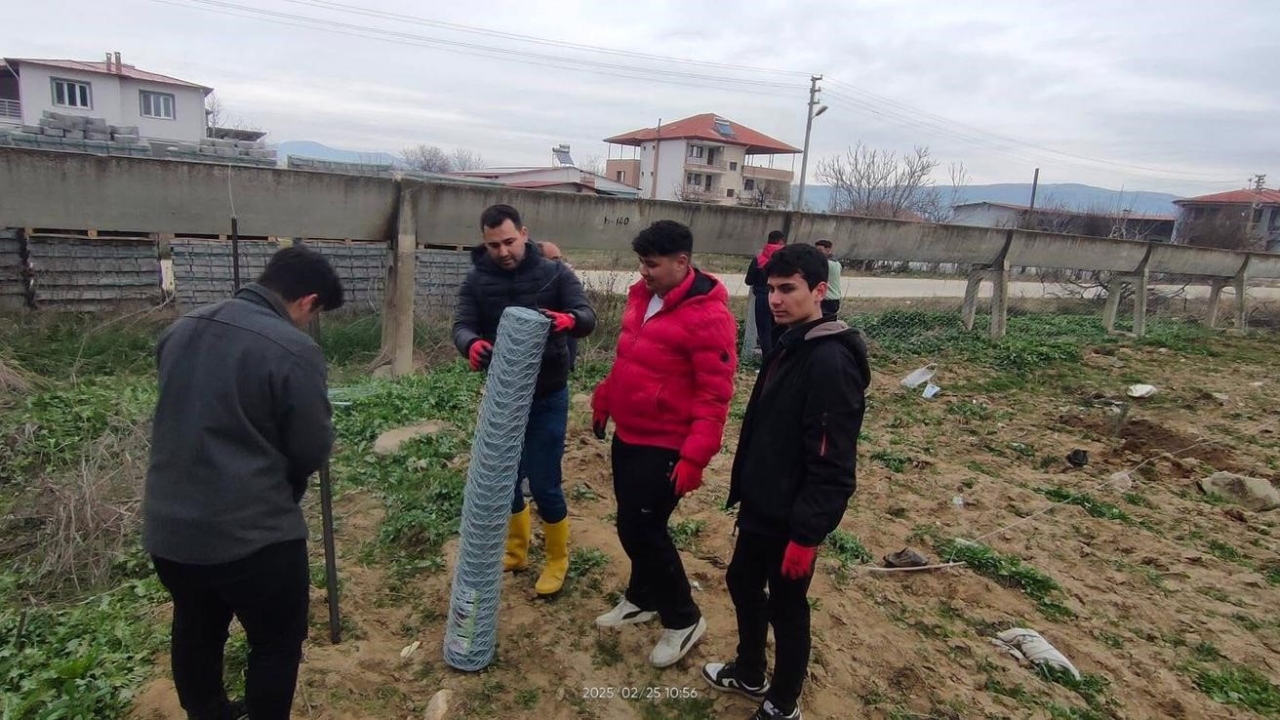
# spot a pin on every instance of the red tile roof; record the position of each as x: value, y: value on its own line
x: 100, y: 67
x: 703, y: 127
x: 1265, y: 196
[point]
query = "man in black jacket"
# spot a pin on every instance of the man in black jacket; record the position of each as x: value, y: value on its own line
x: 758, y: 283
x: 241, y: 423
x: 793, y: 474
x: 510, y: 271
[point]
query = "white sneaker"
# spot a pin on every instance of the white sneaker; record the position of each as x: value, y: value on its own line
x: 626, y: 613
x: 675, y: 644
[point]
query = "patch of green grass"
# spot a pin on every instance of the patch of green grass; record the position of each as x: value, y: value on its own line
x: 1022, y: 449
x: 1014, y: 692
x: 608, y: 650
x: 581, y: 492
x: 1111, y: 640
x: 584, y: 561
x: 893, y: 460
x: 970, y: 410
x: 700, y: 706
x: 1206, y: 651
x: 847, y: 548
x: 82, y: 661
x: 978, y: 467
x: 1048, y: 461
x: 1139, y: 500
x: 1091, y: 505
x: 1092, y: 688
x: 1273, y: 575
x: 1010, y: 572
x: 1241, y: 686
x: 1225, y: 551
x: 685, y: 532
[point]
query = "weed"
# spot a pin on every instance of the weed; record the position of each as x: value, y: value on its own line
x: 1225, y: 551
x: 1091, y: 505
x: 1111, y: 640
x: 581, y: 492
x: 891, y: 459
x: 1205, y: 651
x: 1241, y: 686
x: 1138, y: 500
x: 1022, y: 449
x: 970, y: 410
x: 847, y: 549
x: 608, y: 650
x: 978, y: 467
x: 685, y: 532
x: 1010, y: 572
x: 584, y: 561
x: 1048, y: 461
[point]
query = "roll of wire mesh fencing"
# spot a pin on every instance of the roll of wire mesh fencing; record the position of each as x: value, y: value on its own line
x: 470, y: 638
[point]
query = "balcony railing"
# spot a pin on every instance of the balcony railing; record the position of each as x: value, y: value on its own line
x: 698, y: 193
x: 10, y: 109
x: 702, y: 164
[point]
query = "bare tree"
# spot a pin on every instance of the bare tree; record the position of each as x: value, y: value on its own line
x: 427, y: 158
x: 878, y: 183
x: 760, y: 197
x: 463, y: 159
x: 593, y: 163
x: 218, y: 116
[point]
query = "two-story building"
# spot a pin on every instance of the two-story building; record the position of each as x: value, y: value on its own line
x: 703, y: 159
x: 1253, y: 213
x: 161, y: 107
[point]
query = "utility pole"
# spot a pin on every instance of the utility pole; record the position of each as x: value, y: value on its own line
x: 808, y: 129
x: 1035, y: 185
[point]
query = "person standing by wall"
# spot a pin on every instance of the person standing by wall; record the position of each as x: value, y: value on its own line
x: 510, y: 271
x: 760, y: 290
x: 241, y: 423
x: 831, y: 303
x: 668, y: 394
x: 793, y: 475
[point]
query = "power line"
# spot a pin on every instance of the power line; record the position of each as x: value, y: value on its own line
x: 900, y: 109
x: 559, y: 62
x: 418, y: 20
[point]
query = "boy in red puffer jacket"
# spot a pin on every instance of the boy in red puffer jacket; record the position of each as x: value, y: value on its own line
x: 668, y: 394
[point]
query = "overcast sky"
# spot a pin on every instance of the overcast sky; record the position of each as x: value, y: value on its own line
x: 1172, y: 96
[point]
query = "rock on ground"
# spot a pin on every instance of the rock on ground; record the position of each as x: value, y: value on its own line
x: 1254, y: 493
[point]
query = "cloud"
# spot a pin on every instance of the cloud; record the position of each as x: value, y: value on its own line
x: 1139, y: 85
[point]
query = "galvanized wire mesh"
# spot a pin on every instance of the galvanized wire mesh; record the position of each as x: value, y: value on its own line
x: 470, y: 639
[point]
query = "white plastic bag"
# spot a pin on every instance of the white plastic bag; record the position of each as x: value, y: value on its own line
x: 1030, y: 645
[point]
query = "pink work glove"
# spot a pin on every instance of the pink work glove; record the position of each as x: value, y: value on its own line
x: 797, y: 561
x: 480, y: 354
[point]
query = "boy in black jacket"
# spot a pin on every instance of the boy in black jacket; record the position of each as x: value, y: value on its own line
x: 794, y: 475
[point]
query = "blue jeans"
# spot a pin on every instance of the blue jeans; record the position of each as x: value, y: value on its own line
x: 540, y: 461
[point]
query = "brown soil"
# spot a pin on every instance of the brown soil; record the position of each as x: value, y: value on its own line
x: 885, y: 645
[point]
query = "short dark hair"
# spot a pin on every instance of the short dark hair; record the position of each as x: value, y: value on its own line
x: 663, y: 238
x: 804, y: 260
x: 777, y: 236
x: 297, y: 271
x: 494, y: 215
x: 823, y: 243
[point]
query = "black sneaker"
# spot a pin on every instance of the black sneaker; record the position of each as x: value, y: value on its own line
x: 769, y: 711
x: 724, y: 676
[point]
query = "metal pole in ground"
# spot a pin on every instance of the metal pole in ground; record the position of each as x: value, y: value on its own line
x: 326, y: 523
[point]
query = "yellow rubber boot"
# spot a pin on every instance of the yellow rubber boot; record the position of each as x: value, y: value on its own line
x: 557, y: 557
x: 518, y: 531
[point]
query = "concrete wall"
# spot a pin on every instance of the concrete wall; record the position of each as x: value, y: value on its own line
x: 86, y: 275
x: 72, y: 190
x: 43, y: 189
x: 983, y: 215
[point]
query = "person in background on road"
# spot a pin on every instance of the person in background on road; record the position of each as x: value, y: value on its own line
x: 668, y: 394
x: 551, y: 251
x: 831, y: 303
x: 241, y: 423
x: 510, y: 271
x: 793, y: 475
x: 760, y: 290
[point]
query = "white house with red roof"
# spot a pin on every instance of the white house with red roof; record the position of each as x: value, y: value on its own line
x: 1258, y: 208
x: 703, y: 159
x: 162, y: 107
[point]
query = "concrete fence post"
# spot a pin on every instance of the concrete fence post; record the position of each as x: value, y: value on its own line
x: 1215, y: 296
x: 1241, y: 283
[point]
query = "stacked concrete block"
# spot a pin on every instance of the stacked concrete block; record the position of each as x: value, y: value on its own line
x: 94, y: 274
x: 238, y: 152
x: 437, y: 275
x: 203, y: 270
x: 77, y: 133
x: 362, y: 266
x: 297, y: 162
x: 13, y: 290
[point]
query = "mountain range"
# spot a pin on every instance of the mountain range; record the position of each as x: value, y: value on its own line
x: 1068, y: 195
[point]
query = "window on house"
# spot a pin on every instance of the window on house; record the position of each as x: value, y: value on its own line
x: 156, y: 105
x: 696, y: 151
x: 1257, y: 215
x: 1275, y: 219
x: 749, y: 184
x: 72, y: 94
x: 694, y: 179
x: 733, y: 166
x: 729, y: 192
x: 622, y: 176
